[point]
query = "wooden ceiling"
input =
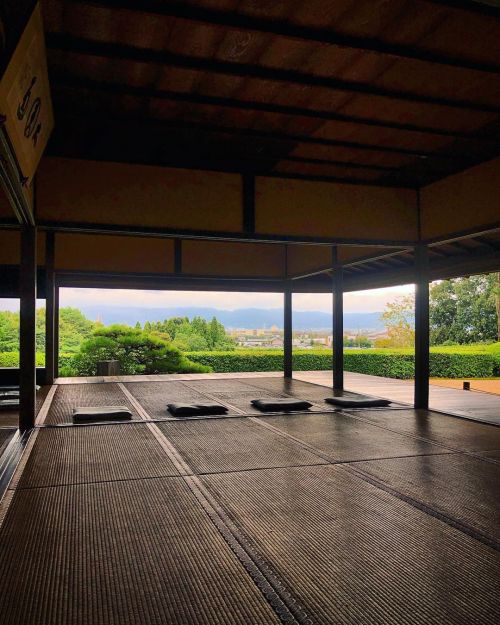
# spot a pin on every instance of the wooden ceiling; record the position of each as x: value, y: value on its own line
x: 386, y: 92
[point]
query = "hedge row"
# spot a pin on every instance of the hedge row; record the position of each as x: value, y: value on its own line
x: 390, y: 365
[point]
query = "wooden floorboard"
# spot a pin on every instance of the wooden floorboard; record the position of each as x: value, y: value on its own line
x: 470, y: 404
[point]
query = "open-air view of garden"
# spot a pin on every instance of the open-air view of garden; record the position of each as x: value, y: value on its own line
x: 464, y: 330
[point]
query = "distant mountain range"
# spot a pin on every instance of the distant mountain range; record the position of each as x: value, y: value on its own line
x: 250, y: 318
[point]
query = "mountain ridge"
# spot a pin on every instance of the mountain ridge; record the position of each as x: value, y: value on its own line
x: 248, y: 318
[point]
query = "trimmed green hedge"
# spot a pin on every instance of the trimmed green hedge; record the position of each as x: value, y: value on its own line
x: 445, y: 362
x: 386, y: 363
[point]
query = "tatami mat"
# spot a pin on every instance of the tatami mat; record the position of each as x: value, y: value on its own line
x: 141, y: 552
x: 346, y: 439
x: 5, y: 435
x: 460, y: 486
x: 154, y: 396
x: 354, y: 554
x: 447, y: 430
x: 93, y: 454
x: 71, y: 396
x: 214, y: 445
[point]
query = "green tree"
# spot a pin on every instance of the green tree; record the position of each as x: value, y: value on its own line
x: 74, y: 329
x: 9, y: 331
x: 136, y: 351
x: 398, y: 318
x: 464, y: 310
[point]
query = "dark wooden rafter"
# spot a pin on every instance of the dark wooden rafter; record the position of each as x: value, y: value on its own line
x: 121, y: 229
x: 274, y: 136
x: 178, y: 256
x: 478, y: 7
x: 248, y: 191
x: 286, y: 28
x: 113, y: 50
x: 60, y: 80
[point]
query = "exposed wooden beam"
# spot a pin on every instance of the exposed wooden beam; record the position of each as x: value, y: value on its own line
x: 178, y: 256
x: 93, y: 228
x: 65, y: 81
x: 248, y: 190
x: 471, y: 6
x: 113, y: 50
x: 456, y: 157
x: 286, y: 28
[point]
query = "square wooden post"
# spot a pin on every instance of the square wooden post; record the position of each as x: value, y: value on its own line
x: 421, y: 327
x: 27, y: 333
x: 338, y: 322
x: 50, y: 310
x: 287, y: 332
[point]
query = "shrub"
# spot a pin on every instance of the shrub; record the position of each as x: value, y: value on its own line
x: 449, y: 362
x: 136, y: 351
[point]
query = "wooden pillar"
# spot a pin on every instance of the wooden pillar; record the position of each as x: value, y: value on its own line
x: 50, y: 309
x: 338, y: 322
x: 287, y: 331
x: 421, y: 327
x: 56, y: 332
x: 27, y: 333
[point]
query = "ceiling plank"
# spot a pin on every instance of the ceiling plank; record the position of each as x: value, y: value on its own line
x: 120, y: 51
x: 285, y: 28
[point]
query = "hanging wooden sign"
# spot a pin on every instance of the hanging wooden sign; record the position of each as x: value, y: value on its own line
x: 25, y: 103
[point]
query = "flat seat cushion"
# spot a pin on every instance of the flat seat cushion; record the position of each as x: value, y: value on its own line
x: 9, y: 394
x: 8, y: 404
x: 196, y: 409
x: 284, y: 404
x: 101, y: 413
x: 358, y: 402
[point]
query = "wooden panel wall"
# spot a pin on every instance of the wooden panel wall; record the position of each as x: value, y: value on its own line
x: 469, y: 200
x: 218, y: 258
x: 109, y: 253
x: 317, y: 209
x: 138, y: 195
x: 10, y: 247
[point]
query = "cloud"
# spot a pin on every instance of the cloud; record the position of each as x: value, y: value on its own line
x: 362, y: 301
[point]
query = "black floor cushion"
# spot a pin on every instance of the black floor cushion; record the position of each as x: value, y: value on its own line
x: 8, y: 404
x: 88, y: 414
x: 9, y: 394
x: 196, y: 409
x: 281, y: 404
x: 358, y: 402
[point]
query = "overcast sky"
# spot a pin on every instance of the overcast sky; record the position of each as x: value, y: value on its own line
x: 362, y: 301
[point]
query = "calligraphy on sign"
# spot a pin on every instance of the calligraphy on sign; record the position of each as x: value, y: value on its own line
x: 25, y: 101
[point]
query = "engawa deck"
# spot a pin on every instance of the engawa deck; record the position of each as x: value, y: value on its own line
x: 383, y: 516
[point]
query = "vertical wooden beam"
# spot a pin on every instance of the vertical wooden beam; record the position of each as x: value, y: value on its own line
x: 287, y: 331
x: 178, y: 256
x: 50, y: 291
x: 27, y: 333
x: 421, y: 326
x: 248, y: 203
x: 338, y: 322
x: 56, y: 332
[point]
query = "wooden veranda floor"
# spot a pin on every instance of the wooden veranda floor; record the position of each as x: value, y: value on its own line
x: 469, y: 404
x: 372, y: 516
